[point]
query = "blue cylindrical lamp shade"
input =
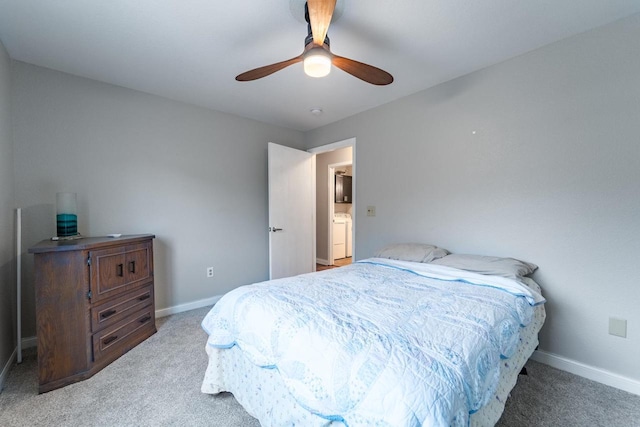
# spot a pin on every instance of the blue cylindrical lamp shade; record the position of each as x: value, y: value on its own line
x: 66, y: 214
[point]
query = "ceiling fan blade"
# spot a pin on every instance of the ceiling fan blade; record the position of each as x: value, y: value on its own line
x: 320, y: 13
x: 258, y: 73
x: 366, y: 72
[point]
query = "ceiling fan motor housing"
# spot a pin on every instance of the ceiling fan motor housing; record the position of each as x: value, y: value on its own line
x: 309, y: 38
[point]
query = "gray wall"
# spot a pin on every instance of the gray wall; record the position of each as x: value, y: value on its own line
x: 7, y: 217
x: 139, y: 163
x: 323, y: 161
x: 551, y: 176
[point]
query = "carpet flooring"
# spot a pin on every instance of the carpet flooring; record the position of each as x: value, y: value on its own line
x: 158, y: 384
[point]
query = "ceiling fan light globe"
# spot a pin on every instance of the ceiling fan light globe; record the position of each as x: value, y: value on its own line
x: 317, y: 64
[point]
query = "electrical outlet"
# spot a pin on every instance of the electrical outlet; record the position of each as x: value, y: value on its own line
x: 209, y: 271
x: 618, y: 327
x: 371, y: 211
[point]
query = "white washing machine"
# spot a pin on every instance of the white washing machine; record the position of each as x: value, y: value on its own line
x: 345, y: 218
x: 339, y: 237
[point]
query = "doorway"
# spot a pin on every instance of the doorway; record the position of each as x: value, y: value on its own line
x: 340, y: 209
x: 336, y: 159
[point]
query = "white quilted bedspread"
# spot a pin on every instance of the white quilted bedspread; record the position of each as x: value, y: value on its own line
x: 380, y: 342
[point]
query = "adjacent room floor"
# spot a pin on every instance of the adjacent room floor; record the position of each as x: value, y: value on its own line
x: 337, y: 263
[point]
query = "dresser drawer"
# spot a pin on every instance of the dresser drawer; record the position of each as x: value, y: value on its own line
x: 108, y: 313
x: 124, y: 335
x: 120, y: 269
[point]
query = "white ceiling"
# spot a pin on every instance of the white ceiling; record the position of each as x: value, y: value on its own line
x: 191, y: 50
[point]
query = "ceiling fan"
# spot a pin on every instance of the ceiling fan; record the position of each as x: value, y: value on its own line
x: 317, y: 56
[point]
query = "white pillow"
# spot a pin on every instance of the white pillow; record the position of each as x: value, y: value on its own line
x: 416, y: 252
x: 490, y: 265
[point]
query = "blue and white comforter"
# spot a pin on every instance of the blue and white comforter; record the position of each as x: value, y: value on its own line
x: 380, y: 342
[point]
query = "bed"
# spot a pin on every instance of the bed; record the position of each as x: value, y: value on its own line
x: 389, y: 342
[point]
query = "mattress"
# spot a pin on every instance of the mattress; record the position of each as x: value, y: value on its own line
x: 265, y: 394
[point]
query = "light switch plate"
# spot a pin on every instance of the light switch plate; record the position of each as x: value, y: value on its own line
x: 371, y: 211
x: 618, y: 327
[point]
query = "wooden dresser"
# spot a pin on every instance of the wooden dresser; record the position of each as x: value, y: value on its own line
x: 94, y: 302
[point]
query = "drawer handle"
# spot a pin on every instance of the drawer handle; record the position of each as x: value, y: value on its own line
x: 144, y: 297
x: 132, y: 267
x: 145, y: 319
x: 119, y: 270
x: 109, y: 340
x: 108, y: 313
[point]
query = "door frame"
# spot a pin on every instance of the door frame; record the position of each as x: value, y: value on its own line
x: 350, y: 142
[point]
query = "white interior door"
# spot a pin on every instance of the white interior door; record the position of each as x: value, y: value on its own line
x: 291, y: 211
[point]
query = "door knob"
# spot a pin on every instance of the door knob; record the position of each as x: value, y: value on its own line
x: 274, y: 229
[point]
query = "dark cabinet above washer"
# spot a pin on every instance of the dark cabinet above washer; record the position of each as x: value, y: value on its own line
x: 343, y: 190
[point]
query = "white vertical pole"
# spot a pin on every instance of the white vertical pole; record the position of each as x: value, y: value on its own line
x: 19, y: 281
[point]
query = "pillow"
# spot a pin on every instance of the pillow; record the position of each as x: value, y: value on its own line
x: 416, y: 252
x: 495, y: 266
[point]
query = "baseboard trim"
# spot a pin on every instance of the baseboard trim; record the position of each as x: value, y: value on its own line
x: 188, y: 306
x: 29, y: 342
x: 7, y: 368
x: 592, y: 373
x: 322, y: 261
